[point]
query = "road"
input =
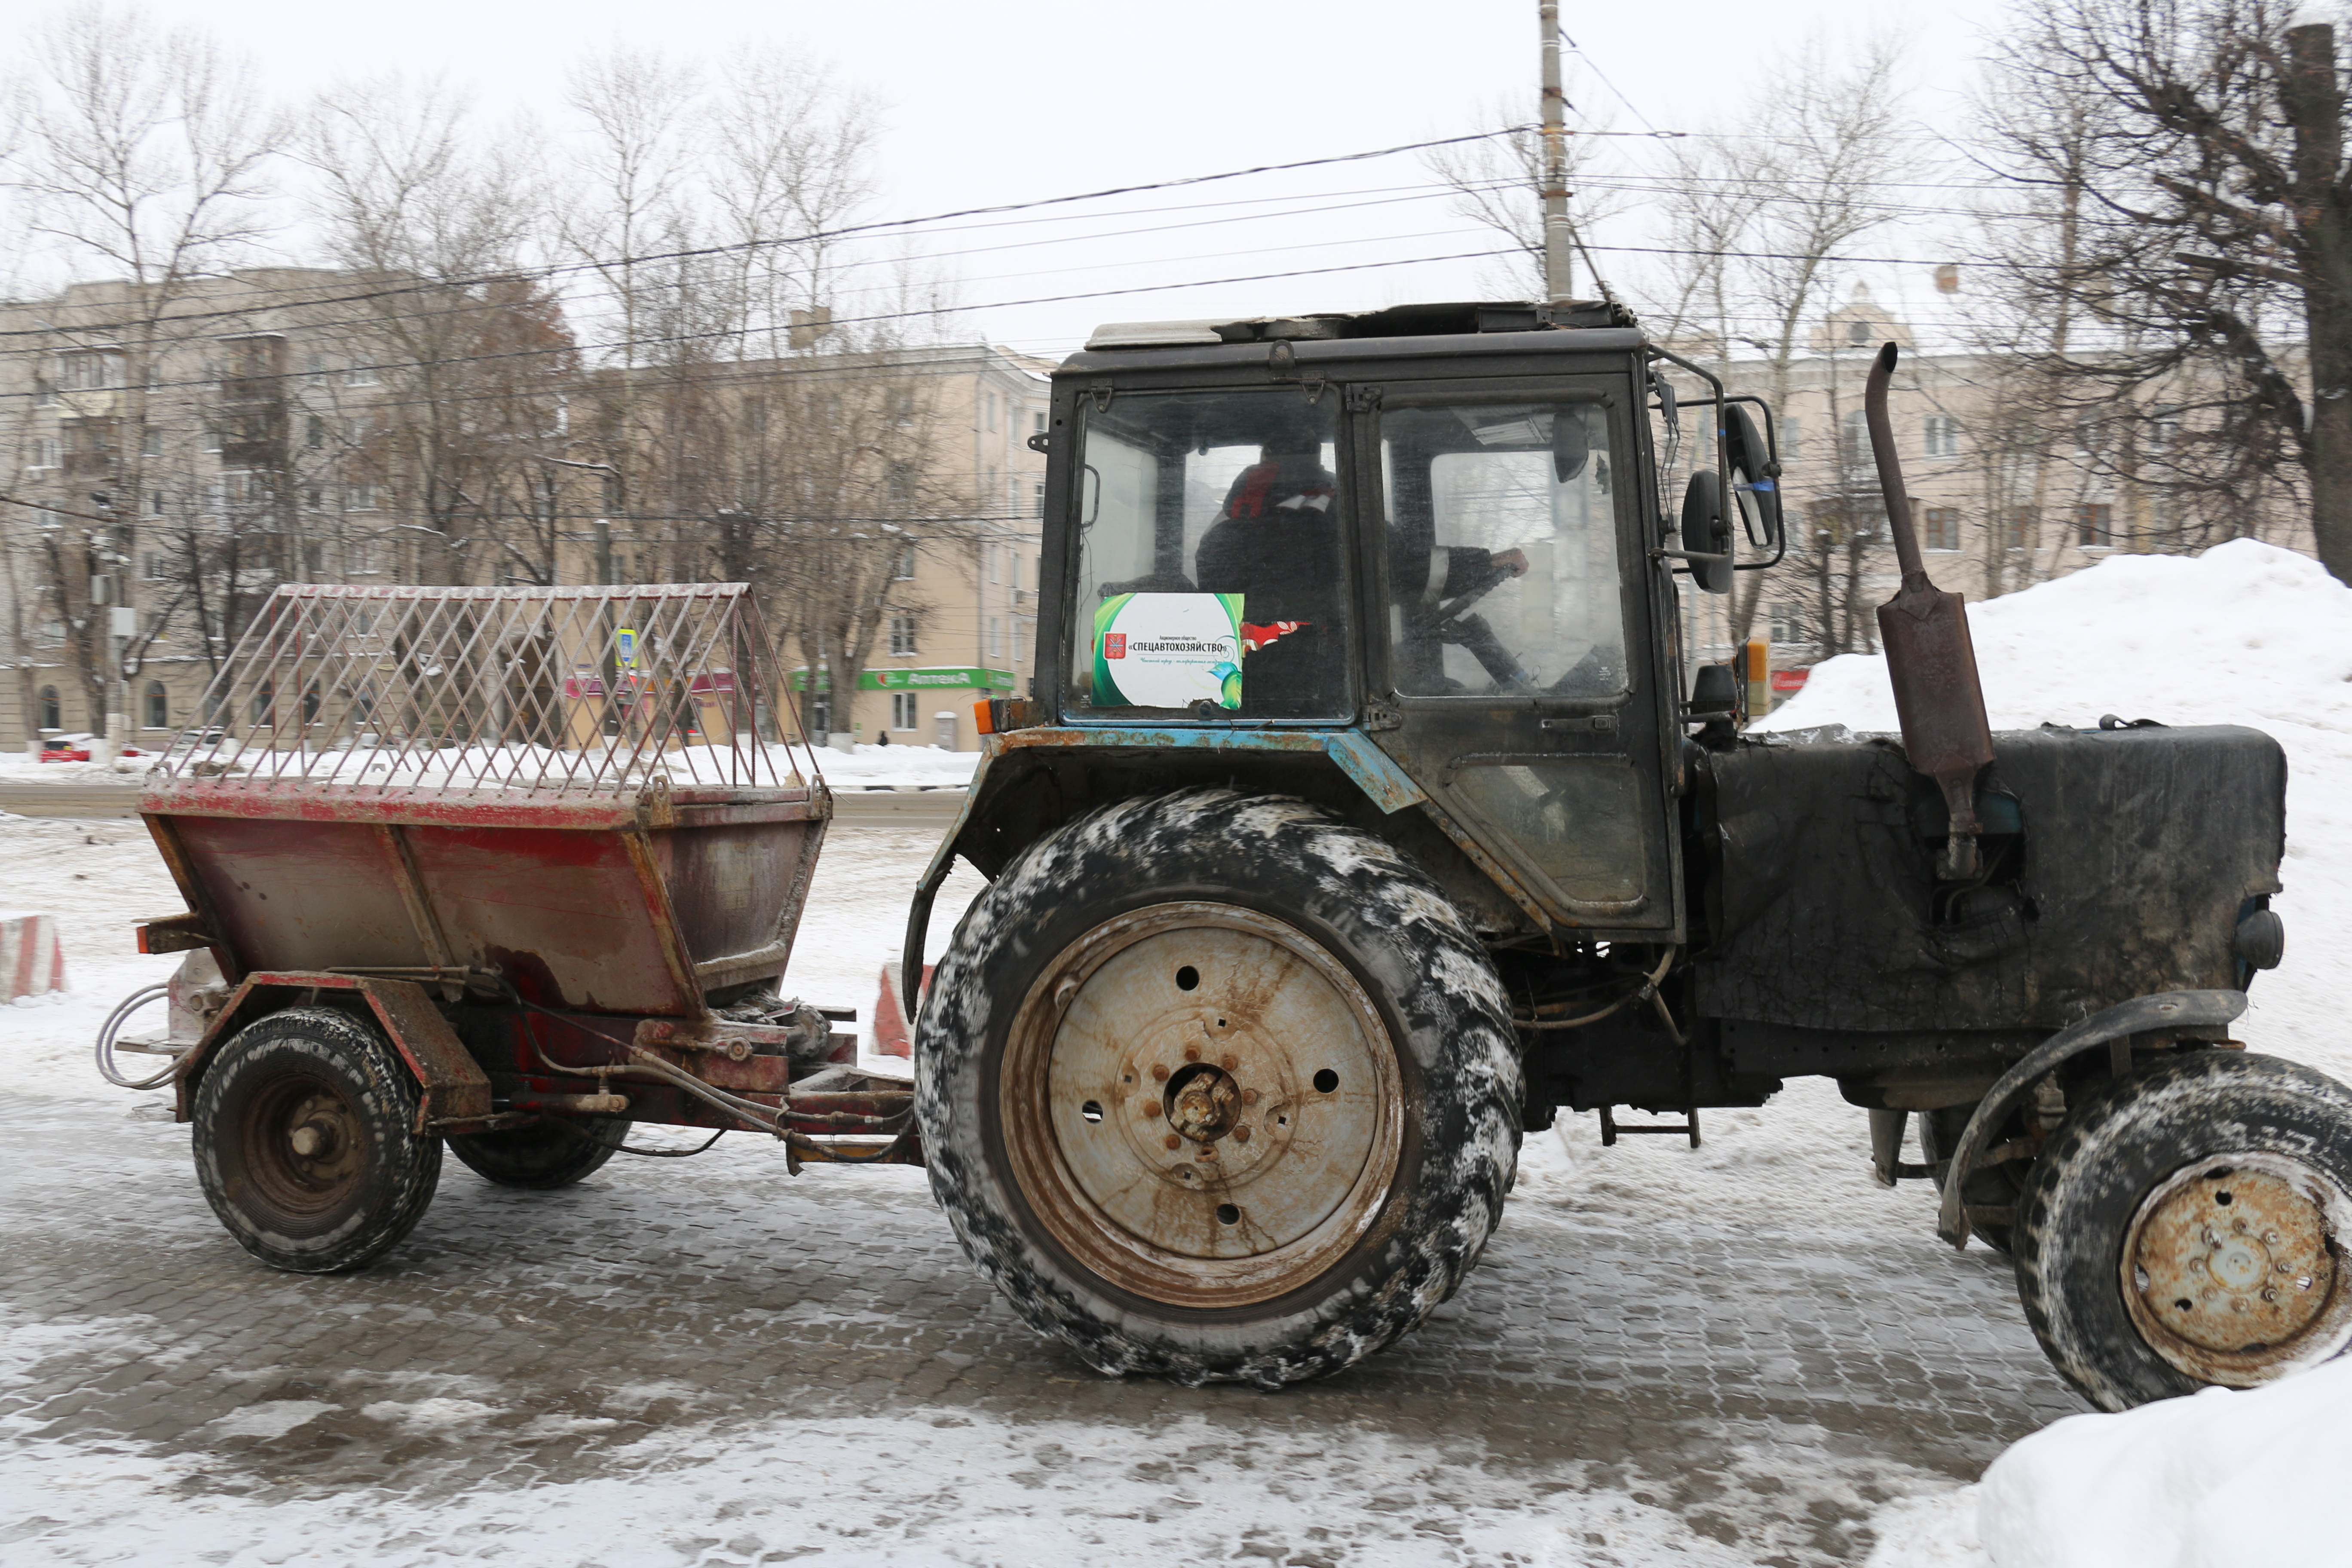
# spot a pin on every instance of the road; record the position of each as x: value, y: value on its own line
x: 1724, y: 1355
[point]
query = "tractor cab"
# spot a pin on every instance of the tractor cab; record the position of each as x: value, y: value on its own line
x: 1426, y: 543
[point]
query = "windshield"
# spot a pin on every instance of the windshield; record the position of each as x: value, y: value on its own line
x: 1503, y: 550
x: 1211, y: 581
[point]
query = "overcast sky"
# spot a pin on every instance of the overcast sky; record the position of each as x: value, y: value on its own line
x: 1003, y: 103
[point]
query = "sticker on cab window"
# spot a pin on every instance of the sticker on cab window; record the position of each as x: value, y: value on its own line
x: 1168, y: 650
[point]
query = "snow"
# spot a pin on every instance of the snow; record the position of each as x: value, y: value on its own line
x: 2223, y: 1478
x: 2245, y: 634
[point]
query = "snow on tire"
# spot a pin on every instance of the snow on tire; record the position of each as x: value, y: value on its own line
x: 304, y: 1136
x: 2190, y: 1224
x: 1215, y: 1087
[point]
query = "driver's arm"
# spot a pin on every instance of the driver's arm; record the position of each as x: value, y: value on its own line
x: 1457, y: 569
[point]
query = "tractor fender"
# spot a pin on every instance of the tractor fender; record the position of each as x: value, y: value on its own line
x: 455, y: 1088
x: 2164, y: 1010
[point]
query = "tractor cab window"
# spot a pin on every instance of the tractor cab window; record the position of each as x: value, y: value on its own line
x: 1210, y: 582
x: 1503, y: 570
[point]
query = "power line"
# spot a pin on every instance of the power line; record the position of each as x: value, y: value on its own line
x: 884, y: 225
x: 677, y: 338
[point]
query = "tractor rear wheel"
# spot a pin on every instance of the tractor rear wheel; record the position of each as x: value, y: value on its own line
x: 1215, y: 1087
x: 306, y: 1145
x: 2190, y: 1224
x: 548, y: 1153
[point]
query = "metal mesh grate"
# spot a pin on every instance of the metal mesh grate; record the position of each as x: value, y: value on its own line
x: 548, y: 691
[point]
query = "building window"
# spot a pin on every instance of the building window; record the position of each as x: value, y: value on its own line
x: 265, y: 700
x: 45, y: 452
x: 1940, y: 528
x: 154, y: 503
x: 211, y: 440
x: 360, y: 376
x: 159, y: 706
x: 150, y: 565
x: 314, y: 432
x: 359, y: 558
x: 902, y: 633
x: 1854, y: 439
x: 1943, y: 435
x: 995, y: 637
x: 1857, y: 333
x: 53, y: 712
x: 359, y: 498
x: 903, y: 568
x: 2090, y: 431
x: 1036, y: 422
x: 44, y: 395
x: 2095, y: 525
x: 2163, y: 428
x: 150, y: 442
x: 902, y: 709
x: 1792, y: 441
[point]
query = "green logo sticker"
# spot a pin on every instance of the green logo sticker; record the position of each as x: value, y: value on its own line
x: 1168, y: 650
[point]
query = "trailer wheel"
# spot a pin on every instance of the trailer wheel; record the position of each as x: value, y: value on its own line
x: 548, y: 1153
x: 2190, y: 1224
x: 305, y: 1141
x: 1215, y: 1087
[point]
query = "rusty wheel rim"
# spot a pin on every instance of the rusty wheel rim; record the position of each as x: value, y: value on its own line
x: 1201, y: 1105
x: 303, y: 1147
x: 2233, y: 1268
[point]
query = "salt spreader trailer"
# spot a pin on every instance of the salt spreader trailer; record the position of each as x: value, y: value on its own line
x: 502, y: 870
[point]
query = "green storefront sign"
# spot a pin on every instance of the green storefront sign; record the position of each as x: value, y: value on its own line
x: 901, y: 679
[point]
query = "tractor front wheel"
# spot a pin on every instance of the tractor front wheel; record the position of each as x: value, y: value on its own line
x: 305, y: 1141
x: 1215, y: 1087
x: 2189, y: 1225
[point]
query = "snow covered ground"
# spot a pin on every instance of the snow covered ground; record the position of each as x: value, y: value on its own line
x: 2246, y: 634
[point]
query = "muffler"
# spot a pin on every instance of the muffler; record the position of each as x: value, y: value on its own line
x: 1929, y: 658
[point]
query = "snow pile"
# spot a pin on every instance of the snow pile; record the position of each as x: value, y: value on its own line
x: 2220, y: 1479
x: 869, y: 767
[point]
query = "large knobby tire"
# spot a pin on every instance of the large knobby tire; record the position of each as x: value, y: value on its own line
x: 1215, y: 1087
x: 548, y: 1153
x: 305, y: 1141
x: 2190, y: 1224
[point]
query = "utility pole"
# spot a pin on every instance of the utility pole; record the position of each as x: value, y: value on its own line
x: 1555, y: 155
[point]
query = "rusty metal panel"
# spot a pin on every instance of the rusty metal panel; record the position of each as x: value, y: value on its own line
x: 455, y: 1085
x: 300, y: 895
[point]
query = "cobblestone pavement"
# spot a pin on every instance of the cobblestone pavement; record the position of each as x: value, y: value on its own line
x: 1732, y: 1354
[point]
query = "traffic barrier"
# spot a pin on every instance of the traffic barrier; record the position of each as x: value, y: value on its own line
x: 36, y: 964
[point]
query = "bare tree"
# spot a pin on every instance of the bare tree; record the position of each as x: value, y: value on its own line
x: 2188, y: 155
x: 468, y: 360
x: 145, y: 152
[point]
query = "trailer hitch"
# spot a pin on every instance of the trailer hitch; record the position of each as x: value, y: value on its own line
x: 2141, y: 1015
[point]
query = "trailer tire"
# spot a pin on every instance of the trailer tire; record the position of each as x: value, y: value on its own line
x: 304, y: 1131
x: 551, y: 1153
x: 2190, y: 1223
x: 1280, y: 968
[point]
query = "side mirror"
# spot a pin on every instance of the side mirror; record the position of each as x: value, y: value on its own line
x: 1755, y: 477
x: 1570, y: 450
x: 1706, y: 533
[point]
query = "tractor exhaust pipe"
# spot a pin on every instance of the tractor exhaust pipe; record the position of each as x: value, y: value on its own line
x: 1929, y: 658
